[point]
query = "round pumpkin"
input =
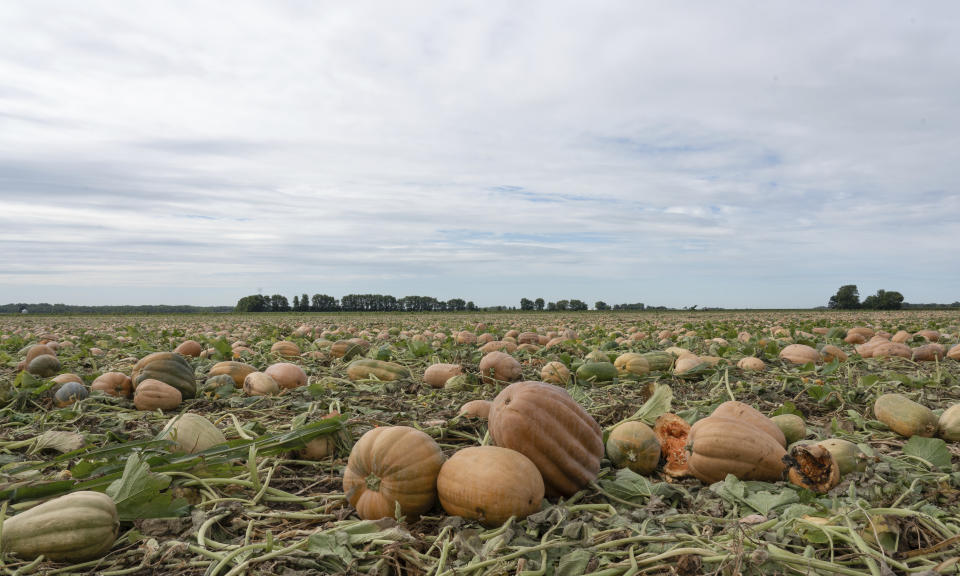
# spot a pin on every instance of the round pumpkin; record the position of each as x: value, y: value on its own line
x: 44, y: 366
x: 437, y: 375
x: 948, y: 426
x: 189, y: 348
x: 792, y: 426
x: 848, y: 455
x: 288, y: 376
x: 555, y: 373
x: 114, y: 384
x: 829, y: 353
x: 286, y: 349
x: 392, y: 466
x: 800, y: 354
x: 543, y: 422
x: 67, y: 377
x: 236, y: 370
x: 489, y: 484
x: 751, y: 363
x: 904, y: 416
x: 476, y: 409
x: 260, y: 384
x: 77, y: 527
x: 156, y: 395
x: 167, y: 367
x: 69, y: 393
x: 348, y: 349
x: 631, y: 364
x: 499, y: 368
x: 191, y: 433
x: 633, y: 445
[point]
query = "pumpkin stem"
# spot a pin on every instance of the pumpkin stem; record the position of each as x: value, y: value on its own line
x: 373, y: 482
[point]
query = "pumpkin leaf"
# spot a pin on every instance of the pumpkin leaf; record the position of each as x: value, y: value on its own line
x: 932, y: 450
x: 628, y: 485
x: 752, y: 494
x: 574, y: 563
x: 57, y: 440
x: 138, y: 493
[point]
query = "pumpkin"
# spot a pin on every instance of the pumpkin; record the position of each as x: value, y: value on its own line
x: 904, y: 416
x: 751, y: 363
x: 829, y: 353
x: 528, y: 338
x: 555, y: 373
x: 260, y: 384
x: 318, y: 448
x: 720, y: 446
x: 218, y: 381
x: 689, y: 365
x: 44, y: 366
x: 792, y: 426
x: 437, y: 375
x: 631, y: 364
x: 156, y: 395
x: 348, y: 349
x: 476, y: 409
x: 633, y: 445
x: 167, y: 367
x: 191, y: 433
x: 546, y: 424
x: 901, y: 336
x: 286, y: 349
x: 596, y: 372
x: 114, y: 384
x: 929, y: 353
x: 746, y: 413
x: 659, y: 361
x: 67, y: 377
x: 35, y: 351
x: 490, y: 484
x: 465, y: 337
x: 236, y: 370
x: 596, y: 356
x: 499, y: 368
x: 954, y: 353
x: 288, y: 376
x: 390, y: 467
x: 813, y: 467
x: 930, y: 335
x: 498, y: 346
x: 189, y: 348
x: 848, y: 456
x: 367, y: 368
x: 69, y: 393
x: 888, y: 349
x: 948, y: 426
x: 76, y: 527
x: 672, y: 431
x: 800, y: 354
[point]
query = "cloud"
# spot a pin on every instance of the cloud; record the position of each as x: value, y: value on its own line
x: 728, y: 155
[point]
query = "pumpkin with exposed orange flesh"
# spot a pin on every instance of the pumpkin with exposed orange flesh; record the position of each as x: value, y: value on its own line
x: 545, y: 424
x: 813, y: 467
x: 390, y: 467
x: 672, y: 431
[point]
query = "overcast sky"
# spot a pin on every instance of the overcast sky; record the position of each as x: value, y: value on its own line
x: 735, y: 154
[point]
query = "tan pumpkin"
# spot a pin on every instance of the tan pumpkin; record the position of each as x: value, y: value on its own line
x: 236, y: 370
x: 544, y: 423
x: 476, y: 409
x: 67, y: 377
x: 490, y: 484
x: 500, y: 368
x: 288, y: 376
x: 904, y: 416
x: 114, y: 384
x: 499, y: 346
x: 746, y: 413
x: 555, y: 373
x: 929, y: 353
x: 191, y: 433
x: 437, y: 375
x: 751, y: 363
x: 890, y: 350
x: 954, y: 353
x: 348, y: 349
x: 948, y: 425
x: 901, y: 336
x: 260, y: 384
x: 631, y: 364
x: 389, y: 467
x: 800, y: 354
x: 720, y: 446
x: 829, y: 353
x: 286, y: 349
x: 189, y: 348
x: 156, y: 395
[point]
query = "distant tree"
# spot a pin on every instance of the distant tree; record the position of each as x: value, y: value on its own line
x: 296, y: 302
x: 526, y: 304
x: 304, y: 303
x: 456, y: 305
x: 578, y: 305
x: 601, y: 305
x: 323, y: 303
x: 551, y: 306
x: 538, y: 303
x: 253, y: 303
x: 884, y: 300
x: 279, y: 303
x: 846, y: 298
x: 471, y: 306
x: 563, y: 305
x: 635, y: 306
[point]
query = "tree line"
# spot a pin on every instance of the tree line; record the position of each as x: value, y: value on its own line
x: 848, y: 298
x: 45, y: 308
x: 351, y: 303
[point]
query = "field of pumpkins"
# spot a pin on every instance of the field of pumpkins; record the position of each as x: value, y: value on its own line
x: 618, y: 443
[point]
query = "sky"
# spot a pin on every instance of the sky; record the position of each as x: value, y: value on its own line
x: 728, y: 154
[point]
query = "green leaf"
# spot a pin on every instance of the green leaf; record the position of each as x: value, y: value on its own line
x: 574, y: 563
x: 754, y: 495
x: 932, y: 450
x: 138, y: 493
x: 628, y: 485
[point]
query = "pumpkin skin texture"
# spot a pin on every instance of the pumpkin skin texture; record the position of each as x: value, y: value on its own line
x: 792, y: 426
x: 904, y: 416
x: 476, y: 409
x: 437, y: 375
x: 499, y: 368
x: 633, y: 445
x: 752, y: 363
x: 555, y: 373
x: 189, y: 348
x: 70, y: 393
x: 114, y: 384
x: 949, y: 424
x: 746, y: 413
x: 287, y: 375
x: 800, y: 354
x: 545, y: 424
x: 596, y: 372
x: 169, y: 368
x: 391, y: 466
x: 260, y: 384
x: 74, y: 528
x: 631, y: 364
x: 67, y: 377
x: 489, y: 484
x: 286, y: 349
x: 659, y: 360
x: 191, y: 433
x: 720, y: 446
x: 236, y: 370
x: 366, y: 368
x: 44, y: 366
x: 156, y: 395
x: 347, y: 349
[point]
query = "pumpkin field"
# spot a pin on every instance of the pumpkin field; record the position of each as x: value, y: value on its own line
x: 471, y: 443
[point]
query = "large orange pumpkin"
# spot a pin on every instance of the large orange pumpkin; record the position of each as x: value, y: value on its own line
x: 389, y: 467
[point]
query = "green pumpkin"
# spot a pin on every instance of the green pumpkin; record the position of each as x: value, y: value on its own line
x: 169, y: 368
x: 659, y: 360
x: 597, y: 372
x: 366, y: 368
